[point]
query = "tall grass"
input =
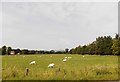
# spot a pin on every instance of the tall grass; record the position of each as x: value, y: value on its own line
x: 76, y: 68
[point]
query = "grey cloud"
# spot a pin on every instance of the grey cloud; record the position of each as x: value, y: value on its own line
x: 57, y: 25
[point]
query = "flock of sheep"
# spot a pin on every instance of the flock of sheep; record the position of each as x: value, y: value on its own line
x: 52, y: 64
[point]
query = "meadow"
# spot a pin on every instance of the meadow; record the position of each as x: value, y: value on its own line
x: 90, y: 67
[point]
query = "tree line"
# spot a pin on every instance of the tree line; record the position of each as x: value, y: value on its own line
x: 103, y: 45
x: 9, y: 51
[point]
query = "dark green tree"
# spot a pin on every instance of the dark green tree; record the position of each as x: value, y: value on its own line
x: 66, y: 50
x: 25, y: 51
x: 32, y: 51
x: 117, y: 36
x: 83, y: 49
x: 9, y: 49
x: 52, y: 52
x: 78, y: 49
x: 4, y: 48
x: 17, y: 51
x: 116, y: 45
x: 0, y: 51
x: 92, y: 48
x: 73, y: 51
x: 103, y: 45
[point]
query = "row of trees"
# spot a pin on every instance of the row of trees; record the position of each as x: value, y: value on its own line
x: 104, y: 45
x: 8, y: 50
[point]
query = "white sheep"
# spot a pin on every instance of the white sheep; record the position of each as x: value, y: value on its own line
x: 83, y: 56
x: 51, y: 65
x: 66, y: 57
x: 32, y: 63
x: 69, y: 57
x: 64, y: 60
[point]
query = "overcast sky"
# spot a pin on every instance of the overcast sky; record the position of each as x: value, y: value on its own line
x: 57, y: 25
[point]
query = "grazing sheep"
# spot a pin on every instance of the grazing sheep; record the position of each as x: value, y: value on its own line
x: 83, y: 56
x: 64, y: 60
x: 32, y: 63
x: 69, y: 57
x: 66, y: 57
x: 51, y: 65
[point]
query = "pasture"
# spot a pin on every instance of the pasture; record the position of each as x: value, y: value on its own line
x: 89, y: 67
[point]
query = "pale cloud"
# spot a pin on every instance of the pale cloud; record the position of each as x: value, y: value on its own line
x: 0, y: 24
x: 57, y: 25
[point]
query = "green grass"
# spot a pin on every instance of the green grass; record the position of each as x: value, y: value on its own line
x: 76, y: 68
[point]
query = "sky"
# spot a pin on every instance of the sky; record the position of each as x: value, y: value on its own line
x: 56, y: 25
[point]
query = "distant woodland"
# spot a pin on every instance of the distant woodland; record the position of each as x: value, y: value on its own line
x: 103, y: 45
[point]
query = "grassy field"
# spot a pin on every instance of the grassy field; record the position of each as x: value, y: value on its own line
x: 76, y: 68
